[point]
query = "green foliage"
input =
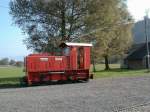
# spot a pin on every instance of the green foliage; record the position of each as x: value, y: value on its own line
x: 113, y: 25
x: 12, y: 62
x: 48, y: 22
x: 4, y: 61
x: 106, y: 23
x: 19, y: 64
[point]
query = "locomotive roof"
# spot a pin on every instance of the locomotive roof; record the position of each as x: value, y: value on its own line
x: 78, y: 44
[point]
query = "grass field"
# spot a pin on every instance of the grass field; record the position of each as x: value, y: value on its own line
x: 15, y: 72
x: 8, y: 72
x: 116, y: 71
x: 100, y: 67
x: 119, y: 73
x: 11, y: 75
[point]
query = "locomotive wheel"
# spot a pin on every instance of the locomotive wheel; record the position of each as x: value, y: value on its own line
x: 86, y: 80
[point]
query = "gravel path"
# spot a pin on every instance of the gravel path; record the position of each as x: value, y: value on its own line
x: 102, y: 95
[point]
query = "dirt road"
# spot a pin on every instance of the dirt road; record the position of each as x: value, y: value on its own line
x: 102, y: 95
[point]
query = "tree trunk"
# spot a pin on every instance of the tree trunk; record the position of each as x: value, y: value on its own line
x: 93, y: 62
x: 106, y: 63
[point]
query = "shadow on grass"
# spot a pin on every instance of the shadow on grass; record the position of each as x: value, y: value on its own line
x: 14, y: 82
x: 11, y: 82
x: 114, y: 70
x: 119, y: 70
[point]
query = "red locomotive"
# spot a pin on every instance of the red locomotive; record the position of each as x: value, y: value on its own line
x: 73, y: 63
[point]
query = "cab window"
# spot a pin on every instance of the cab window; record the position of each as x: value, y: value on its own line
x: 66, y: 51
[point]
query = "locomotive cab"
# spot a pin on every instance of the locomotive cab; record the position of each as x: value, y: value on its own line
x: 79, y: 54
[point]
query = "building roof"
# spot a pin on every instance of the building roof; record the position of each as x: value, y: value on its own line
x: 76, y: 44
x: 138, y: 53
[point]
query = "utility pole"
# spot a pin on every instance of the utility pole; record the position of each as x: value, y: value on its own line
x: 147, y: 41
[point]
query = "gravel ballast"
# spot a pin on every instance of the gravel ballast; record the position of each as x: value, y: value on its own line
x: 101, y: 95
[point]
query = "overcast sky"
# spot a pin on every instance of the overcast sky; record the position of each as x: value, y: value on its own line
x: 11, y: 36
x: 138, y: 8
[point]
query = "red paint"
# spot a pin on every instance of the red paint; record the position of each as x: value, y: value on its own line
x: 87, y: 59
x: 45, y: 67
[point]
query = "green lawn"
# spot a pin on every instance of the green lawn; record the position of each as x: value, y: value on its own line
x: 8, y: 72
x: 16, y: 72
x: 10, y: 76
x: 117, y: 72
x: 100, y: 67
